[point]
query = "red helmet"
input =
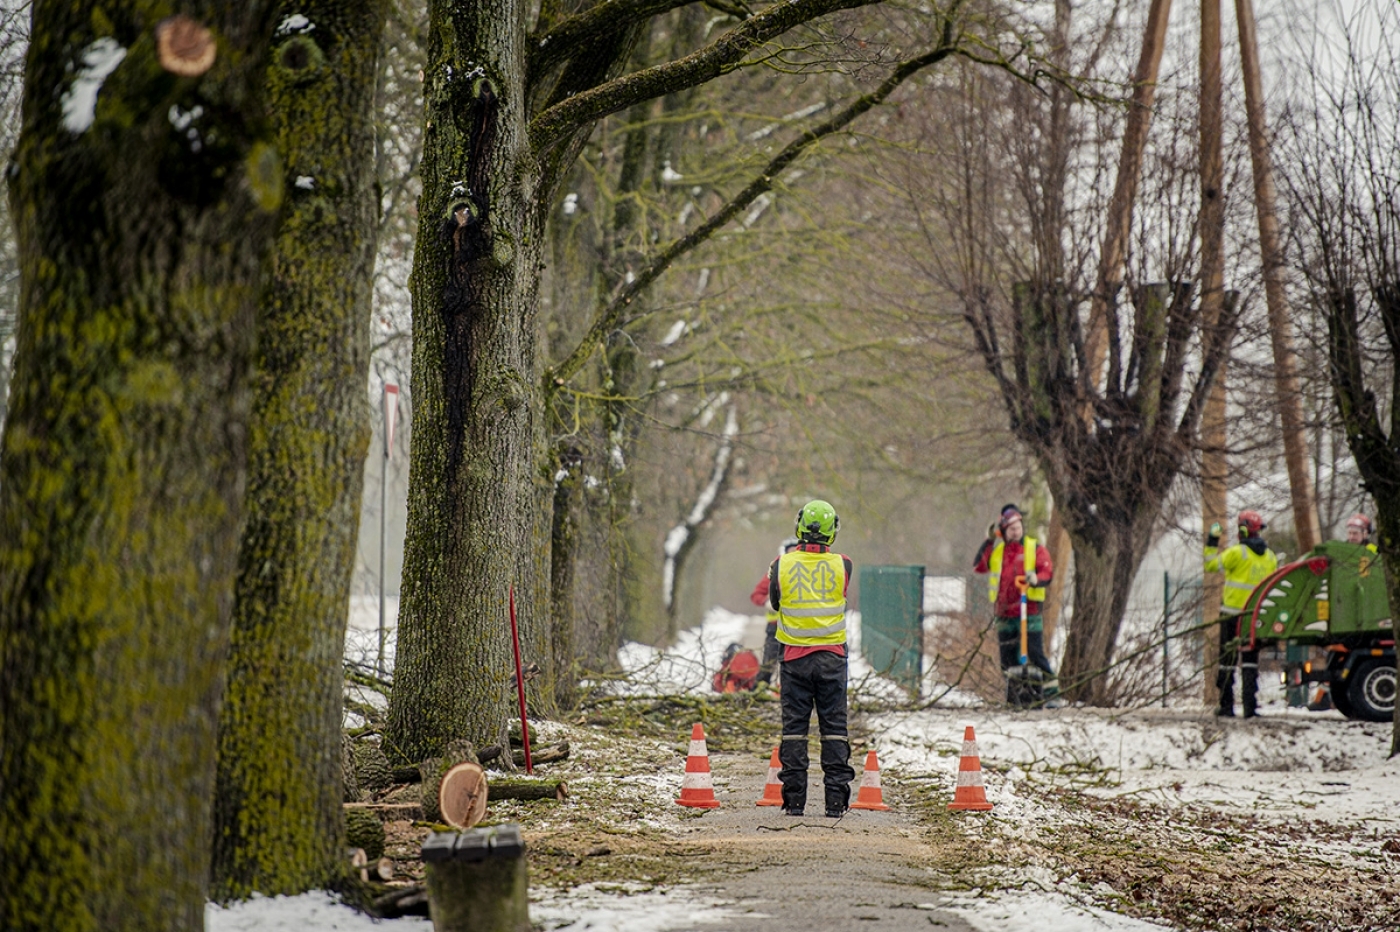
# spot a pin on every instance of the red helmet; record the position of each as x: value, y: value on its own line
x: 1251, y: 523
x: 1362, y: 523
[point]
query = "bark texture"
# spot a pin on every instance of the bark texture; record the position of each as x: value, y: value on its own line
x: 277, y: 813
x: 143, y: 216
x: 474, y: 317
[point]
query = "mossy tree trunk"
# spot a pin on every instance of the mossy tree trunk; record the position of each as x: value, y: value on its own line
x: 473, y: 285
x: 278, y: 825
x: 143, y: 225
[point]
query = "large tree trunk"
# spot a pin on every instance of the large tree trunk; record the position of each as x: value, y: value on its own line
x: 1105, y: 563
x: 474, y: 308
x: 143, y: 229
x: 277, y: 814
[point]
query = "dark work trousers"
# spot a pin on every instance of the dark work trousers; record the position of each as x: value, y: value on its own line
x: 1009, y: 644
x: 1248, y: 660
x: 818, y: 681
x: 772, y: 651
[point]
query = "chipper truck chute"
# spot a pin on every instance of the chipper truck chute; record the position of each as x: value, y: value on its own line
x: 1334, y: 597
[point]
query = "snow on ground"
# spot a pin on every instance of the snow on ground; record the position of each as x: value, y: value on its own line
x: 1289, y: 764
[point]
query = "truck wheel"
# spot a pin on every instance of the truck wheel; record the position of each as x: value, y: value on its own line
x: 1340, y: 701
x: 1372, y: 690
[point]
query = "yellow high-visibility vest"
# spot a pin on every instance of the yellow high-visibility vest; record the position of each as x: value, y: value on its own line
x: 1035, y: 593
x: 1244, y: 570
x: 812, y: 599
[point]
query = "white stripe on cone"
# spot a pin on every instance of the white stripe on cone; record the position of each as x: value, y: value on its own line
x: 870, y: 778
x: 697, y: 749
x: 969, y: 778
x: 697, y: 781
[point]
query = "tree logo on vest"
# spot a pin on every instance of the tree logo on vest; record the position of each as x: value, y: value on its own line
x: 811, y: 584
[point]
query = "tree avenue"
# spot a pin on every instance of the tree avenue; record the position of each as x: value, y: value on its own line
x: 507, y: 110
x: 143, y: 214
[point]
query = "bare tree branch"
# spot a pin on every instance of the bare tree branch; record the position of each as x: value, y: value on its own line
x: 607, y: 319
x: 718, y: 58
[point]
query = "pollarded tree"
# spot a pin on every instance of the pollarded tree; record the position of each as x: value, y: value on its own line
x: 144, y: 189
x: 1105, y: 398
x: 278, y: 822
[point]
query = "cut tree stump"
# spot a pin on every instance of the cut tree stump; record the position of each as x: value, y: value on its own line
x: 435, y: 768
x: 462, y: 795
x: 476, y: 880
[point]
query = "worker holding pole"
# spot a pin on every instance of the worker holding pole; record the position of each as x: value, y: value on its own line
x: 1018, y: 598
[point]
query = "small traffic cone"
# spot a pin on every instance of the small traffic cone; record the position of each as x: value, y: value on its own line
x: 970, y: 793
x: 870, y: 795
x: 773, y: 789
x: 697, y: 790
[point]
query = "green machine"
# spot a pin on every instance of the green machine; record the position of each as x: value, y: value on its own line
x: 1334, y: 597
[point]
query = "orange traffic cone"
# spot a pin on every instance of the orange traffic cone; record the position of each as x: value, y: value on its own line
x: 773, y: 789
x: 970, y: 793
x: 870, y: 795
x: 697, y: 790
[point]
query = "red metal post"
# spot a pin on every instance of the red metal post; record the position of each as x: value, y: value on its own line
x: 520, y: 685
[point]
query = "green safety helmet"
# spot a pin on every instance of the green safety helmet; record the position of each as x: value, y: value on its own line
x: 817, y: 523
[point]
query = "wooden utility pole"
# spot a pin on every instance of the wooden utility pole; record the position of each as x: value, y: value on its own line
x: 1214, y: 467
x: 1290, y: 401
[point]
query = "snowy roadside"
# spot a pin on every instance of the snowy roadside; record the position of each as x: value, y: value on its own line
x: 1319, y: 782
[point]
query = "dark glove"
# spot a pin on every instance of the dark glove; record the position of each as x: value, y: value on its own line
x: 1213, y: 538
x: 993, y: 531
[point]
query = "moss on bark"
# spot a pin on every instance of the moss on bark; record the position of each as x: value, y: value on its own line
x: 143, y: 242
x: 278, y: 823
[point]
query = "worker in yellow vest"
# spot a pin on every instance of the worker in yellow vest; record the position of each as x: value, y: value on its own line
x: 772, y: 650
x: 1006, y: 554
x: 807, y: 587
x: 1245, y: 565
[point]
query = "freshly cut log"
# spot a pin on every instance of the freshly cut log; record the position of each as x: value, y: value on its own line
x: 462, y: 795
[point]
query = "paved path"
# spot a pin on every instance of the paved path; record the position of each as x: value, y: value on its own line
x: 814, y: 874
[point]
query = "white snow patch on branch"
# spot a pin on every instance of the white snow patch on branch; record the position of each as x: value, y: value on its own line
x: 760, y: 204
x: 99, y: 60
x: 678, y: 535
x: 675, y: 333
x: 294, y: 23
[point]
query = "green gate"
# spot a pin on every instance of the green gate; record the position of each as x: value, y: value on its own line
x: 891, y: 622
